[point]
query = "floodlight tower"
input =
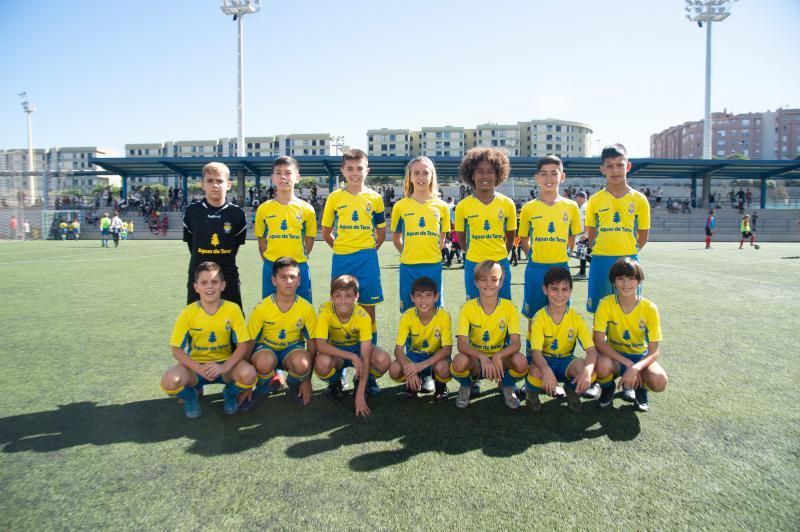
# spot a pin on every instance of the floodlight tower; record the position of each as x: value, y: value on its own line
x: 708, y: 11
x: 29, y: 109
x: 240, y: 8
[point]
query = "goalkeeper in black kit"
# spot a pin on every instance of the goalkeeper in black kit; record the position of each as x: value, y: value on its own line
x: 214, y: 229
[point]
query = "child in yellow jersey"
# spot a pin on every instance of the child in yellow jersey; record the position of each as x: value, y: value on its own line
x: 488, y: 339
x: 279, y: 326
x: 553, y: 333
x: 617, y: 222
x: 547, y: 229
x: 627, y: 333
x: 202, y: 342
x: 419, y: 223
x: 64, y: 229
x: 424, y: 343
x: 358, y: 213
x: 343, y: 339
x: 285, y: 226
x: 486, y: 221
x: 76, y: 229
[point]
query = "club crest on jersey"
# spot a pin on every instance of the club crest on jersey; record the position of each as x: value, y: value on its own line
x: 502, y: 325
x: 300, y: 323
x: 566, y: 217
x: 642, y: 325
x: 631, y: 208
x: 299, y: 216
x: 437, y: 334
x: 368, y: 208
x: 571, y: 334
x: 437, y: 215
x: 500, y: 215
x: 227, y: 227
x: 227, y: 325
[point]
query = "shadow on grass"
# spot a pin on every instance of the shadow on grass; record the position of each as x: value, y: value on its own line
x: 419, y: 425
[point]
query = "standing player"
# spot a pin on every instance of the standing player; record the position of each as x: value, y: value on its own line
x: 203, y: 342
x: 547, y: 229
x: 116, y: 229
x: 710, y: 224
x: 359, y: 215
x: 281, y: 326
x: 105, y: 230
x: 488, y: 339
x: 486, y: 221
x: 617, y: 222
x: 214, y: 229
x: 286, y: 227
x: 627, y: 334
x: 419, y: 223
x: 747, y: 232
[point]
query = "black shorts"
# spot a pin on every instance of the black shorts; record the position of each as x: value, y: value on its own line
x: 746, y: 234
x: 708, y: 231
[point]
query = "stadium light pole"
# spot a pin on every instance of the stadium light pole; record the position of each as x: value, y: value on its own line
x: 708, y: 11
x: 29, y: 109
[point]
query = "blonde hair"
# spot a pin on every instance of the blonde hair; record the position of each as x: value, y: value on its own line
x: 408, y: 186
x: 217, y: 169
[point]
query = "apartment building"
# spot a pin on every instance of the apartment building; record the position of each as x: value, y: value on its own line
x: 555, y: 137
x: 504, y: 137
x: 387, y: 142
x: 767, y: 135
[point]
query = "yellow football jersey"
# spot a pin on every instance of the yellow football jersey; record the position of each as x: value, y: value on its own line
x: 421, y: 224
x: 209, y: 338
x: 616, y: 221
x: 549, y: 227
x: 270, y: 326
x: 357, y: 329
x: 285, y: 228
x: 488, y: 333
x: 485, y: 226
x: 424, y: 339
x: 628, y: 333
x: 559, y: 339
x: 356, y: 217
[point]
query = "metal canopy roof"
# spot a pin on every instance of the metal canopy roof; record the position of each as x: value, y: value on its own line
x: 448, y: 167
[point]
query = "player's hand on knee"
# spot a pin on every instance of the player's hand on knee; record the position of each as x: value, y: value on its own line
x: 549, y: 382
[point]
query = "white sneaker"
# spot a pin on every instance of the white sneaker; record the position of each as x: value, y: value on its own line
x: 427, y: 385
x: 629, y: 395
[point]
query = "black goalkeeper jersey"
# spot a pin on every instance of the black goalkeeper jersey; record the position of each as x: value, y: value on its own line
x: 214, y: 234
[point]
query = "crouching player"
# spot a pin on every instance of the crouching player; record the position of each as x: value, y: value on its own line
x: 279, y: 326
x: 627, y: 332
x: 343, y: 337
x: 202, y: 342
x: 553, y: 334
x: 423, y: 346
x: 488, y: 338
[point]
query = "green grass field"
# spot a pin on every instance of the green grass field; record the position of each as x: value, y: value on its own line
x: 88, y: 441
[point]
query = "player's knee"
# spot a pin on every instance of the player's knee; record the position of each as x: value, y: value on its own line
x: 442, y: 369
x: 380, y: 359
x: 604, y: 367
x: 264, y: 361
x: 299, y: 363
x: 395, y: 370
x: 323, y: 364
x: 575, y: 368
x: 171, y: 380
x: 460, y: 363
x: 535, y: 372
x: 657, y: 382
x: 518, y: 363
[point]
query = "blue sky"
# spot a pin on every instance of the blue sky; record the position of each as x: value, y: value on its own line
x: 106, y: 73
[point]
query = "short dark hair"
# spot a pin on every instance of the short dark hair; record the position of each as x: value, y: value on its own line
x: 626, y: 267
x: 208, y: 266
x: 556, y: 275
x: 424, y: 284
x: 495, y: 157
x: 549, y: 159
x: 354, y: 154
x: 344, y: 282
x: 612, y: 151
x: 285, y: 160
x: 283, y: 262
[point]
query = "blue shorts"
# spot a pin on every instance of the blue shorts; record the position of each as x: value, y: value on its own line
x: 632, y: 358
x: 202, y: 381
x: 599, y: 285
x: 534, y: 279
x: 280, y: 354
x: 409, y: 273
x: 303, y: 289
x: 559, y: 366
x: 355, y: 349
x: 469, y: 279
x: 420, y: 357
x: 363, y: 265
x: 103, y: 232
